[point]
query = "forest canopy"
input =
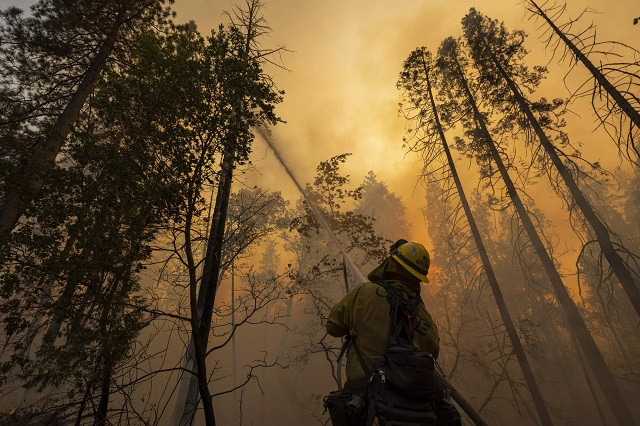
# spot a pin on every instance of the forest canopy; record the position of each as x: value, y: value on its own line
x: 159, y: 266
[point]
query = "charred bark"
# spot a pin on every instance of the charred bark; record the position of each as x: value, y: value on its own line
x: 591, y: 351
x: 206, y: 297
x: 617, y: 264
x: 529, y: 378
x: 103, y: 405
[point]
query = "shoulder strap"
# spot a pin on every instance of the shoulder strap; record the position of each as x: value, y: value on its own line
x: 343, y: 349
x: 401, y: 313
x: 363, y: 364
x: 347, y: 342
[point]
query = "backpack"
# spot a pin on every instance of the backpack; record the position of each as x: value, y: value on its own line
x: 402, y: 388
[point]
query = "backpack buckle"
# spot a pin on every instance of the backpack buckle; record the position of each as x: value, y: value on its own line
x: 380, y: 373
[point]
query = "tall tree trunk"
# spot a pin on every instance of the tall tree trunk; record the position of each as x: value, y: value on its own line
x: 211, y: 268
x: 103, y: 405
x: 617, y: 264
x: 85, y: 398
x: 112, y: 309
x: 30, y: 179
x: 529, y: 378
x: 208, y: 287
x: 615, y: 94
x: 575, y: 321
x: 213, y: 258
x: 46, y: 287
x: 234, y: 356
x: 63, y: 306
x: 585, y: 371
x: 196, y: 355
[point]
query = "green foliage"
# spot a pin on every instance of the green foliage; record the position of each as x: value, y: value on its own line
x: 337, y: 199
x: 44, y: 56
x: 137, y: 163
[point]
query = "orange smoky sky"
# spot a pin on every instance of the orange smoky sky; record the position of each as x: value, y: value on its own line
x: 341, y: 95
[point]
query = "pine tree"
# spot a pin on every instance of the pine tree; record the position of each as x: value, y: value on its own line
x: 453, y: 66
x: 416, y: 79
x: 52, y: 62
x: 498, y: 55
x: 90, y: 235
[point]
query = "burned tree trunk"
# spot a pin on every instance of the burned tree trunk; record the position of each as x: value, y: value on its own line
x: 518, y: 349
x: 196, y: 353
x: 618, y: 265
x: 103, y: 404
x: 576, y: 323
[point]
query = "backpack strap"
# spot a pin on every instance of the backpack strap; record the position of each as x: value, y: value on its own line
x: 343, y: 349
x: 347, y: 342
x: 363, y: 364
x: 401, y: 314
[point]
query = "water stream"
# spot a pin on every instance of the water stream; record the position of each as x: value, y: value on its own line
x: 455, y: 395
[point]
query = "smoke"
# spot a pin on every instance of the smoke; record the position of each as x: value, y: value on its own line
x: 264, y: 132
x: 356, y: 272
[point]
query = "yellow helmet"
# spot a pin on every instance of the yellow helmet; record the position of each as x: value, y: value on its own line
x: 413, y: 257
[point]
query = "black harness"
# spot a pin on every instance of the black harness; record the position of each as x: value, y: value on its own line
x: 400, y: 388
x: 401, y: 329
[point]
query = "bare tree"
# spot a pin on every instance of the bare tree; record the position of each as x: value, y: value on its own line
x: 613, y: 89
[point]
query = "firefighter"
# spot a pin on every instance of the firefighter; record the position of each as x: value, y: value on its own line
x: 363, y: 316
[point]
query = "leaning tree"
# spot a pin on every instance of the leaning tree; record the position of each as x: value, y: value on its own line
x: 498, y: 55
x: 454, y: 67
x: 51, y: 62
x: 416, y: 79
x: 614, y: 84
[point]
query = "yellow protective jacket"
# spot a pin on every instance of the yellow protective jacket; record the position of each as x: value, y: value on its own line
x: 364, y: 314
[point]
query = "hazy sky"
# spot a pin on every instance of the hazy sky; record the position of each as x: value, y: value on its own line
x: 343, y: 66
x: 340, y: 87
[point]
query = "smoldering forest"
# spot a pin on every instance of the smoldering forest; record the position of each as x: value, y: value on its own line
x: 188, y: 188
